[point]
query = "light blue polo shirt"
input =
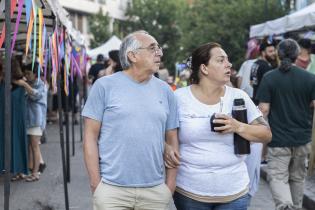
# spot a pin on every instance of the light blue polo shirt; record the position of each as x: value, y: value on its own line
x: 134, y: 119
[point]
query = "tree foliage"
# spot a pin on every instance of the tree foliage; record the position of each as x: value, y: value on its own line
x: 226, y: 22
x: 182, y: 25
x: 99, y: 28
x: 160, y: 18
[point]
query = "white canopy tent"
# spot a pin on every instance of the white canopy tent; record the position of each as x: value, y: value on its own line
x: 296, y: 21
x: 112, y: 44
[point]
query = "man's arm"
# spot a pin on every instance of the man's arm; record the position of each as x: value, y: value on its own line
x: 264, y: 108
x: 90, y: 151
x: 172, y: 141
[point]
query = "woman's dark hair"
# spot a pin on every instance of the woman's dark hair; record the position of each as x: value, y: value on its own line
x: 288, y: 51
x: 201, y: 55
x: 114, y: 55
x: 16, y: 69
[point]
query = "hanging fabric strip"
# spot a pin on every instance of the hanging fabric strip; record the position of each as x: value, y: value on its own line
x: 44, y: 39
x: 28, y: 7
x: 47, y: 53
x: 76, y: 66
x: 34, y: 37
x: 29, y: 32
x: 18, y: 18
x: 40, y: 38
x: 2, y: 37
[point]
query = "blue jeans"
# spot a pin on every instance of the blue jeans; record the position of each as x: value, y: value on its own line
x: 184, y: 203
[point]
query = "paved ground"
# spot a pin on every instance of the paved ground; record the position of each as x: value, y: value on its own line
x: 48, y: 194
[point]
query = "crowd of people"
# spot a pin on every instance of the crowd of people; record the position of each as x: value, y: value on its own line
x: 135, y: 126
x: 148, y: 137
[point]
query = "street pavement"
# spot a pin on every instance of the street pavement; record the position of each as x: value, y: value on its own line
x: 48, y: 192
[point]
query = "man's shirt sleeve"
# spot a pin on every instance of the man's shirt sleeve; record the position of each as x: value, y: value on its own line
x: 172, y: 119
x: 95, y: 104
x: 264, y: 91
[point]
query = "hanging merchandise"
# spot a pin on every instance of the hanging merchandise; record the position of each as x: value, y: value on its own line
x: 20, y: 8
x: 2, y: 37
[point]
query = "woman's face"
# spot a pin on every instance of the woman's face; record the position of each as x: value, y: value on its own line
x: 219, y: 67
x: 30, y: 76
x: 112, y: 63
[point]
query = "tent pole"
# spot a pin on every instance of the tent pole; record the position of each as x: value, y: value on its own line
x: 62, y: 142
x: 7, y: 106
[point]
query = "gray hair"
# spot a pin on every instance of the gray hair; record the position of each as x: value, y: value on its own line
x: 129, y: 44
x: 288, y: 51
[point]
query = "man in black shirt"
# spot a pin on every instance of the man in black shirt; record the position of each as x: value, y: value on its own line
x: 262, y: 65
x: 95, y: 68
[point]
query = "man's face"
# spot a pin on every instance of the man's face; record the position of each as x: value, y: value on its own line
x: 148, y: 54
x: 270, y: 53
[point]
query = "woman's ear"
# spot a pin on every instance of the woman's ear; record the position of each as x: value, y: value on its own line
x: 204, y: 69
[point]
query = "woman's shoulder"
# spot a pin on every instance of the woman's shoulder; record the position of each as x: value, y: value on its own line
x: 183, y: 91
x: 236, y: 92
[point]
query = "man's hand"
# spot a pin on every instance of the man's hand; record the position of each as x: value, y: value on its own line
x: 171, y: 186
x: 171, y: 157
x: 94, y: 184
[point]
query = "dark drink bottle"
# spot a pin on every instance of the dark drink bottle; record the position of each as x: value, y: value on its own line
x: 239, y: 112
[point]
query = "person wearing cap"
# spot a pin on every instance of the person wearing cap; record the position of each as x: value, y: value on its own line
x: 287, y: 98
x: 268, y: 56
x: 95, y: 68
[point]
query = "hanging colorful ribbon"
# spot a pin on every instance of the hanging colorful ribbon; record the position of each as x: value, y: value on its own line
x: 34, y: 37
x: 17, y: 23
x: 29, y: 32
x: 28, y: 7
x: 2, y: 37
x: 40, y: 38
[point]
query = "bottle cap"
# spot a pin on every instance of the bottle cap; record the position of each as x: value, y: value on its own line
x: 238, y: 102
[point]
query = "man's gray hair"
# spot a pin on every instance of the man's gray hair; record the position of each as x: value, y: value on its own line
x: 129, y: 44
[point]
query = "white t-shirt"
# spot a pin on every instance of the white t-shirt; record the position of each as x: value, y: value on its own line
x: 209, y: 166
x: 244, y: 72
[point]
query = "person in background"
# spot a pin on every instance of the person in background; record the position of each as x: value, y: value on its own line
x: 113, y: 64
x: 19, y: 143
x: 211, y: 176
x: 36, y: 108
x: 171, y: 82
x: 95, y: 68
x: 287, y: 99
x: 163, y: 73
x: 306, y: 60
x: 263, y: 64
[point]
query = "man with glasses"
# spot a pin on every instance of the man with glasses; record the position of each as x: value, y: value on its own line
x: 128, y: 116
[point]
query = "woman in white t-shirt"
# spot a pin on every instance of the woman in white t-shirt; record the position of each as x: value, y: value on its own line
x: 211, y: 176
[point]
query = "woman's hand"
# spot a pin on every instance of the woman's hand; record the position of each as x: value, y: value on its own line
x: 171, y: 157
x: 231, y: 125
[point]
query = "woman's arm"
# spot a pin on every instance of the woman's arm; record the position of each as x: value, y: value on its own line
x: 257, y: 131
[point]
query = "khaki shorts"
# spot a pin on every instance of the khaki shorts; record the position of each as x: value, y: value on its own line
x: 110, y: 197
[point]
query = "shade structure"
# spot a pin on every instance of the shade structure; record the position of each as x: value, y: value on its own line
x: 112, y: 44
x: 302, y: 19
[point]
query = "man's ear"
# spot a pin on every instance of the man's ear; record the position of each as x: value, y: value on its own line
x: 132, y: 57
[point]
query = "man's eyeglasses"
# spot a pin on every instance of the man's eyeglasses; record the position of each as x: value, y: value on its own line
x: 156, y: 49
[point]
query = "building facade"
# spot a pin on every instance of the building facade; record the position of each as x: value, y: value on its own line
x: 79, y: 10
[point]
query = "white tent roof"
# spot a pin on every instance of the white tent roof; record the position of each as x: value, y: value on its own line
x: 295, y: 21
x: 112, y: 44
